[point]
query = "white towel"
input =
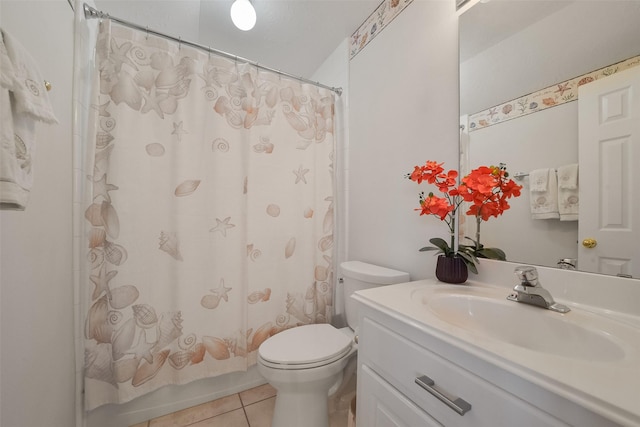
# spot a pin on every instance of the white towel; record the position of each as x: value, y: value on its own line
x: 568, y: 195
x: 543, y: 192
x: 23, y: 101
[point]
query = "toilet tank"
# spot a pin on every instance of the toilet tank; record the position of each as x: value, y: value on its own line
x: 357, y: 275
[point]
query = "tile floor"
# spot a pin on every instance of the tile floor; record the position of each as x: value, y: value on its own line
x: 250, y: 408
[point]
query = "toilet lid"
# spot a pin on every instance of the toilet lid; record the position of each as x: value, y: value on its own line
x: 305, y: 344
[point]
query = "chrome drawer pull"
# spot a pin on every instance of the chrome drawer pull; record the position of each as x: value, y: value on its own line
x: 453, y: 402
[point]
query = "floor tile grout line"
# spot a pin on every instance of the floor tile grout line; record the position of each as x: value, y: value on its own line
x: 242, y: 405
x: 221, y: 413
x: 244, y: 409
x: 246, y: 417
x: 257, y: 401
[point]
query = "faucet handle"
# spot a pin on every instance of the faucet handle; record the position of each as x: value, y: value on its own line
x: 527, y: 275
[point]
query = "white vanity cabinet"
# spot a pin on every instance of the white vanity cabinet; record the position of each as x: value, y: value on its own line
x: 383, y: 406
x: 394, y: 351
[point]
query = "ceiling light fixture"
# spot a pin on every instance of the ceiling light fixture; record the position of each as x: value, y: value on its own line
x: 243, y: 14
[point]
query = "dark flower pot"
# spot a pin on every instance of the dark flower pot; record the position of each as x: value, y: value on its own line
x: 451, y: 270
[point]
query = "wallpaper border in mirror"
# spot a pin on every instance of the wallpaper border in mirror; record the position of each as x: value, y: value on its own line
x: 551, y: 96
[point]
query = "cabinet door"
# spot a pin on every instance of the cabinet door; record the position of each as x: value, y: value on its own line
x: 400, y: 361
x: 384, y: 406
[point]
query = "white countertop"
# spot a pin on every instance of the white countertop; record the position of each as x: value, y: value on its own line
x: 609, y: 388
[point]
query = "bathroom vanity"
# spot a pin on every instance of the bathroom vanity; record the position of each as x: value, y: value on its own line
x: 432, y: 354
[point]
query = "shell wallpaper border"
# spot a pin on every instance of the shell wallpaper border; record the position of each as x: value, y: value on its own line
x: 375, y: 23
x: 552, y: 96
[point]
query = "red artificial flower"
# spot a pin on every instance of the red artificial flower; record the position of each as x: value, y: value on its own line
x: 488, y: 189
x: 446, y: 181
x: 434, y: 205
x: 416, y: 175
x: 511, y: 189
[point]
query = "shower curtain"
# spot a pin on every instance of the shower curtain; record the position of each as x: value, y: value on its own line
x: 207, y: 213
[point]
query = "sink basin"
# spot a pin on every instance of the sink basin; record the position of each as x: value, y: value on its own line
x: 485, y: 312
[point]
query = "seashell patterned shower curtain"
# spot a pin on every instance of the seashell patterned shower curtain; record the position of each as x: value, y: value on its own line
x: 207, y: 215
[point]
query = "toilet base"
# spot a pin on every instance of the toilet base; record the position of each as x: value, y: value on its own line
x: 299, y: 409
x: 302, y: 398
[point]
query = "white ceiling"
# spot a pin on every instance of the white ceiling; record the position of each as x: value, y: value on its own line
x: 490, y: 22
x: 293, y: 36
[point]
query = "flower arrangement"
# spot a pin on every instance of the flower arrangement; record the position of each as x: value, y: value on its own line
x: 487, y: 188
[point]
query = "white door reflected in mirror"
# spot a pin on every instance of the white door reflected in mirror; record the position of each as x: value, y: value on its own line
x: 609, y: 152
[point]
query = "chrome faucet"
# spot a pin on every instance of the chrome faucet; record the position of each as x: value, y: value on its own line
x: 529, y: 291
x: 567, y: 263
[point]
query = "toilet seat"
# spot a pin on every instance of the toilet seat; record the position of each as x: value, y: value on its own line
x: 305, y: 347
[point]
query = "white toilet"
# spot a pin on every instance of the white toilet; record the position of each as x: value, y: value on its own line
x: 306, y: 364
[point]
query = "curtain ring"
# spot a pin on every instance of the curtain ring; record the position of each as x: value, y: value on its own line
x: 147, y: 36
x: 209, y: 52
x: 179, y: 43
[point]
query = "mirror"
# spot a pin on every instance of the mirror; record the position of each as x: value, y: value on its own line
x: 511, y: 49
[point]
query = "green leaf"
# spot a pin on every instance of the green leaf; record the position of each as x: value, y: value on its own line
x: 469, y: 254
x: 472, y: 268
x: 442, y: 245
x: 473, y: 241
x: 493, y: 253
x: 470, y: 260
x: 470, y: 250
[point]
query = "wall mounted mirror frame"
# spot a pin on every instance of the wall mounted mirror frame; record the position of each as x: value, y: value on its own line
x: 510, y: 50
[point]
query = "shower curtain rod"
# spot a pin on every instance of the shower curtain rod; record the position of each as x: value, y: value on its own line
x: 90, y: 13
